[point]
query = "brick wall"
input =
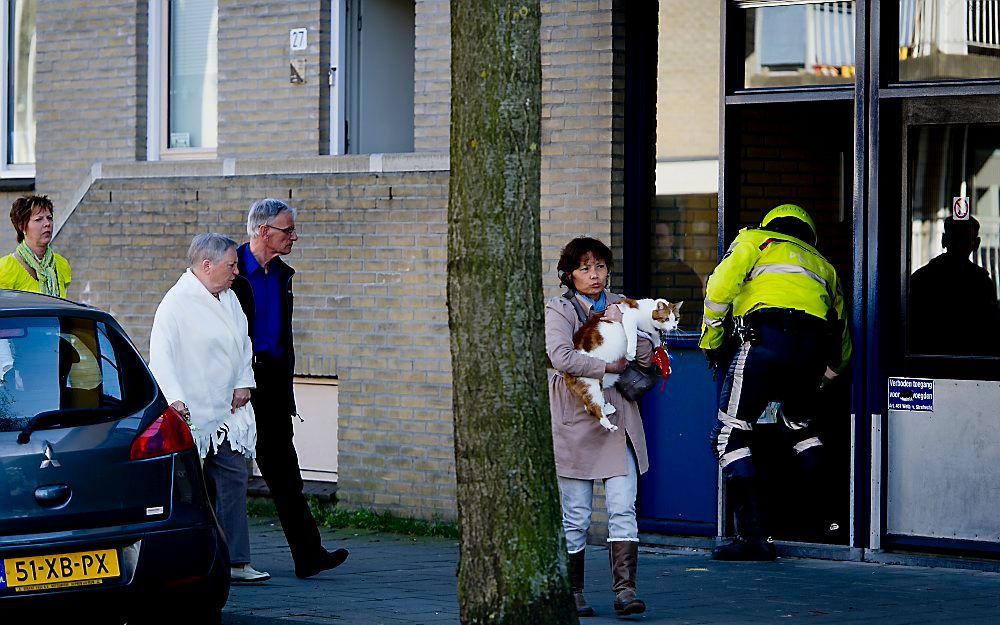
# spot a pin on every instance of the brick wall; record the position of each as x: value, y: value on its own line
x: 792, y: 153
x: 369, y: 296
x: 578, y: 153
x: 432, y: 76
x: 687, y: 103
x: 262, y: 114
x: 86, y: 95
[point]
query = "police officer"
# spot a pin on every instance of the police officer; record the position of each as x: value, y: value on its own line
x: 789, y: 336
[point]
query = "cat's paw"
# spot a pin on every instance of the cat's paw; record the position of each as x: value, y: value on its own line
x: 609, y: 425
x: 630, y: 356
x: 608, y: 409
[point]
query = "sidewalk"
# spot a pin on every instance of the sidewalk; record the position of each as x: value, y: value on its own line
x: 395, y: 579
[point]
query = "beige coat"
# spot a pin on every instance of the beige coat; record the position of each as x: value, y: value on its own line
x: 584, y: 449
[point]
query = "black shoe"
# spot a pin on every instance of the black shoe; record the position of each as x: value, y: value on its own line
x: 327, y: 560
x: 742, y: 550
x: 582, y: 607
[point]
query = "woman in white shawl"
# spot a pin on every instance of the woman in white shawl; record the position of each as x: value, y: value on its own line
x: 201, y: 355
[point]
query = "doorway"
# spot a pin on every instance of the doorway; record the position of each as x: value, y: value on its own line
x: 801, y: 153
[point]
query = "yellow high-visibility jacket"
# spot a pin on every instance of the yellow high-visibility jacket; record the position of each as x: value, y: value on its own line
x: 765, y: 269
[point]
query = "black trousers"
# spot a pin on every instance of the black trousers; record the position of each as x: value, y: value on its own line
x: 783, y: 362
x: 279, y: 463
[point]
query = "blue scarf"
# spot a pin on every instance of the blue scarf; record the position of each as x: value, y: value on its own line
x: 600, y: 305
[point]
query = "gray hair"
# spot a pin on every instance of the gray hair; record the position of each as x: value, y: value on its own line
x: 211, y: 246
x: 263, y: 212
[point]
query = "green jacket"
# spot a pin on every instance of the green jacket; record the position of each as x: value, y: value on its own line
x: 765, y: 269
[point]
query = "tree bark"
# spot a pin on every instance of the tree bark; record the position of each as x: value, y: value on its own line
x: 512, y: 566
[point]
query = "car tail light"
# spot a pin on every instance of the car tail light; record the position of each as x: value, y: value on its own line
x: 169, y: 434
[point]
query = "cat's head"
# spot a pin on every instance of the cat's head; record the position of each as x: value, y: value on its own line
x: 666, y: 316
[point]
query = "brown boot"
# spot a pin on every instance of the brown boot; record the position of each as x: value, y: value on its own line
x: 624, y: 556
x: 576, y: 569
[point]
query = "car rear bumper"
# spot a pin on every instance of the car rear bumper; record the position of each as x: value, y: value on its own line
x: 191, y: 561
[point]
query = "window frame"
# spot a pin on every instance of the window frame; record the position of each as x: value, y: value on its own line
x: 9, y: 170
x: 158, y: 101
x: 918, y: 112
x: 735, y: 90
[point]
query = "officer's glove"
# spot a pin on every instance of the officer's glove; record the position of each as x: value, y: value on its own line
x: 828, y: 377
x: 714, y: 357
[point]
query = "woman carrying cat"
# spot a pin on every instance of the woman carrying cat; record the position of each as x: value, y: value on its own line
x: 585, y: 451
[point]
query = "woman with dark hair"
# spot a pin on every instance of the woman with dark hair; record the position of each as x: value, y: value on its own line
x: 34, y: 266
x: 584, y: 450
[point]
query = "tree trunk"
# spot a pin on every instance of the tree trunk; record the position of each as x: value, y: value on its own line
x: 512, y: 566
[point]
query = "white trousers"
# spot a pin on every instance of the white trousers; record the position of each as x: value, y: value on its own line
x: 577, y: 499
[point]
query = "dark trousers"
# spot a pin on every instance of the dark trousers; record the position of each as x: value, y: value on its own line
x: 782, y: 361
x: 279, y: 463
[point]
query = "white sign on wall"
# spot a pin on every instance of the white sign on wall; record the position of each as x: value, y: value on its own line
x: 298, y: 39
x: 960, y: 208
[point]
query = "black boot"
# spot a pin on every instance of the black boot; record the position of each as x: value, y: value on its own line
x: 624, y: 556
x: 576, y: 570
x: 751, y: 542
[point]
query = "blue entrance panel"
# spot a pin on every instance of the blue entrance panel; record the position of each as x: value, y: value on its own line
x: 678, y: 493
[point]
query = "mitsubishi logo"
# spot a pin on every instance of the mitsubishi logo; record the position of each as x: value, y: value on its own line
x: 49, y: 460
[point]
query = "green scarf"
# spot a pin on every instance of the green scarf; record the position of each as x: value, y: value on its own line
x: 45, y: 268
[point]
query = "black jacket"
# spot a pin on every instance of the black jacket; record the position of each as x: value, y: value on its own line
x: 286, y: 365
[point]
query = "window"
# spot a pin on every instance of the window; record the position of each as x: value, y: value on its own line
x: 949, y: 39
x: 183, y: 79
x: 49, y: 363
x: 804, y: 43
x: 19, y: 89
x: 953, y: 264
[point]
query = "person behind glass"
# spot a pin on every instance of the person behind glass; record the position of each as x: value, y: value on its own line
x: 33, y: 266
x: 951, y: 288
x: 584, y: 450
x: 200, y: 321
x: 264, y: 289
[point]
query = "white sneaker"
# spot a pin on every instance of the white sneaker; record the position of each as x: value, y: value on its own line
x: 246, y: 574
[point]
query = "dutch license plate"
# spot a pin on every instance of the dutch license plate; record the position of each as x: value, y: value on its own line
x: 85, y: 568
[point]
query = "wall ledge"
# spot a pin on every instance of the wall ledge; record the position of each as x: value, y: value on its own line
x: 340, y: 164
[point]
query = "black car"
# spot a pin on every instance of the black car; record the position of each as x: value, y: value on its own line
x: 104, y: 514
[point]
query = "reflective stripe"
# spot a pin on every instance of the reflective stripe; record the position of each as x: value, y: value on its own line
x: 716, y: 307
x: 737, y: 388
x: 733, y: 423
x: 722, y: 440
x: 712, y: 323
x: 807, y: 444
x: 792, y: 425
x: 733, y: 456
x: 788, y: 269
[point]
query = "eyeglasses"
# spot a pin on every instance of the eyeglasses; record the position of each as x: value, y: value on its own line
x: 289, y: 230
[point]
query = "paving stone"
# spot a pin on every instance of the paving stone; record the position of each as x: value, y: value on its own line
x: 392, y: 580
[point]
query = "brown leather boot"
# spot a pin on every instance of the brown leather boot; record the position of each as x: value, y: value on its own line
x: 624, y: 556
x: 576, y: 569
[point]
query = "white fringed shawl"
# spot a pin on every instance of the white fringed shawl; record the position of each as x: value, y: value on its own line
x: 200, y: 352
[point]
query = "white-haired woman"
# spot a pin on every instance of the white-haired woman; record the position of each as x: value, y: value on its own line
x: 201, y: 355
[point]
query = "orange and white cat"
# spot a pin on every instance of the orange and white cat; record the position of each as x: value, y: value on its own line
x: 611, y: 341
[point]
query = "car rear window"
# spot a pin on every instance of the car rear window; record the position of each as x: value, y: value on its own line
x: 53, y: 363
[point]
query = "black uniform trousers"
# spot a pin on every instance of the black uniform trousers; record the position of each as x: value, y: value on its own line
x: 279, y: 463
x: 782, y: 359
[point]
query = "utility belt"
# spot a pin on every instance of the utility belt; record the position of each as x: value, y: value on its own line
x: 787, y: 320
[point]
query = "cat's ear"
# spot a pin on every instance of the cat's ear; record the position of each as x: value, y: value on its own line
x: 677, y: 306
x: 662, y: 304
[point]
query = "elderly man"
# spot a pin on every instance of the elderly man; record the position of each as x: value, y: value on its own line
x: 264, y: 289
x: 201, y: 356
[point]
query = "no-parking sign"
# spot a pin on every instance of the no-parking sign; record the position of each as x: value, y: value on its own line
x: 960, y: 208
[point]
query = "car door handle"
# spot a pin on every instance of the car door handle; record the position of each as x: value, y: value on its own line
x: 53, y: 495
